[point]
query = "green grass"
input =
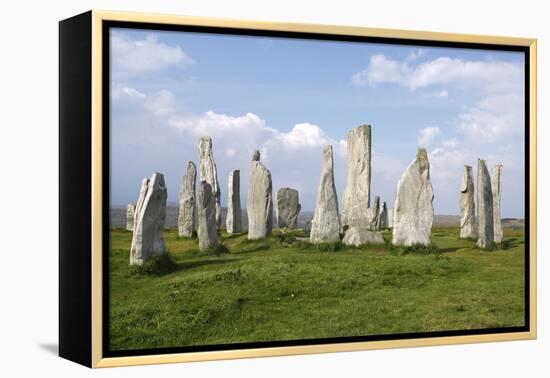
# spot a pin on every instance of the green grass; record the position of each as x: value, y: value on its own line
x: 281, y: 289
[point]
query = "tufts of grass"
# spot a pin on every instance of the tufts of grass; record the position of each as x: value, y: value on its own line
x: 155, y: 266
x: 320, y: 247
x: 217, y: 250
x: 415, y: 249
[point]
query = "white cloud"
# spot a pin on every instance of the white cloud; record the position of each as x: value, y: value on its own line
x: 137, y: 57
x: 381, y: 70
x: 439, y: 94
x: 450, y: 143
x: 427, y: 135
x: 415, y: 54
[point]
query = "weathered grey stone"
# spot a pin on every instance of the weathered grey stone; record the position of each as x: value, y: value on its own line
x: 414, y: 212
x: 208, y: 230
x: 187, y: 209
x: 357, y: 194
x: 374, y: 215
x: 390, y: 218
x: 468, y: 228
x: 209, y: 173
x: 356, y: 237
x: 150, y: 214
x: 287, y: 207
x: 485, y: 222
x: 325, y: 226
x: 130, y: 214
x: 233, y: 221
x: 496, y: 186
x: 383, y: 217
x: 260, y: 200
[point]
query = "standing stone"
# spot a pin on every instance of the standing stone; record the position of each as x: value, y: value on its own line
x: 150, y: 214
x: 390, y: 218
x: 414, y: 212
x: 325, y: 226
x: 260, y: 200
x: 383, y: 217
x: 130, y: 213
x: 357, y: 193
x: 356, y: 237
x: 467, y: 205
x: 233, y: 221
x: 374, y: 215
x: 287, y: 207
x: 208, y: 230
x: 485, y: 222
x: 209, y: 173
x: 187, y: 210
x: 496, y: 185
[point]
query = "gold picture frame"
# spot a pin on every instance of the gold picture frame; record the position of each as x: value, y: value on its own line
x: 92, y: 327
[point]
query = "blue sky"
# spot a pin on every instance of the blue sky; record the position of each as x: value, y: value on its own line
x: 290, y: 97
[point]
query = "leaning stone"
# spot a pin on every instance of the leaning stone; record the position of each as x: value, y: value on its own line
x: 130, y: 211
x: 209, y: 173
x: 414, y: 212
x: 187, y: 209
x: 357, y: 194
x: 287, y: 207
x: 356, y: 237
x: 496, y: 186
x: 260, y: 200
x: 467, y: 205
x: 325, y: 226
x: 150, y: 215
x: 485, y: 222
x: 207, y: 232
x: 233, y: 221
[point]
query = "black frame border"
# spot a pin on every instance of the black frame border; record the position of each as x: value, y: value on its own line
x: 107, y: 25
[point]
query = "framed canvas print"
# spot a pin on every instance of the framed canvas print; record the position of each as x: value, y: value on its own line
x: 235, y: 189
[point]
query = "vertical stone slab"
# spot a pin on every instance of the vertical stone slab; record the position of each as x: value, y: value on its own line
x: 287, y: 207
x: 485, y: 222
x: 383, y: 217
x: 390, y: 218
x: 496, y: 186
x: 209, y: 173
x: 187, y: 209
x: 233, y: 221
x: 260, y: 200
x: 208, y: 229
x: 357, y: 193
x: 468, y: 228
x: 325, y: 226
x: 413, y: 212
x: 130, y: 214
x: 150, y: 215
x: 374, y: 215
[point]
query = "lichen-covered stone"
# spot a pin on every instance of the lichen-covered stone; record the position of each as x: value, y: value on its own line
x: 150, y: 215
x: 208, y: 230
x: 130, y: 214
x: 468, y: 228
x: 485, y: 222
x: 287, y: 207
x: 233, y: 221
x: 209, y: 173
x: 356, y: 237
x: 325, y: 226
x: 413, y: 212
x: 496, y: 186
x: 187, y: 209
x: 260, y: 200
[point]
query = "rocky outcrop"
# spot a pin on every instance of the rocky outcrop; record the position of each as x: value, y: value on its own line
x: 150, y: 214
x: 496, y: 186
x: 209, y: 173
x: 485, y: 223
x: 260, y: 200
x: 356, y: 237
x: 357, y: 194
x: 325, y: 226
x: 187, y: 209
x: 287, y: 207
x: 468, y: 228
x: 413, y: 212
x: 208, y: 230
x: 233, y: 221
x: 130, y: 214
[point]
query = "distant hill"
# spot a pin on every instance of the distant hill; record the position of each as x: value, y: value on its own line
x: 118, y: 218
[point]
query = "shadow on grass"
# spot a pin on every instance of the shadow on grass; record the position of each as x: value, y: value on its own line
x: 448, y: 250
x: 232, y: 236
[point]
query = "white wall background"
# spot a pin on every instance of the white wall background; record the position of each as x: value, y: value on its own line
x: 28, y: 192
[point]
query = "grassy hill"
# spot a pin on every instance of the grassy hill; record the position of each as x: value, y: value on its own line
x: 282, y: 289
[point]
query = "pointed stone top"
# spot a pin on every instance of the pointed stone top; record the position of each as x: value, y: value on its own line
x: 190, y: 164
x: 157, y: 179
x: 256, y: 155
x: 468, y: 167
x: 422, y: 153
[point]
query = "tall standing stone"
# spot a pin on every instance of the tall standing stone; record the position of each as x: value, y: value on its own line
x: 496, y: 186
x: 467, y: 205
x: 390, y: 218
x: 209, y: 173
x: 260, y: 200
x: 187, y: 209
x: 130, y: 214
x: 287, y: 207
x: 233, y: 221
x: 374, y: 215
x: 357, y: 194
x: 150, y: 214
x: 414, y: 212
x: 208, y: 230
x: 485, y: 221
x: 325, y: 226
x: 383, y: 217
